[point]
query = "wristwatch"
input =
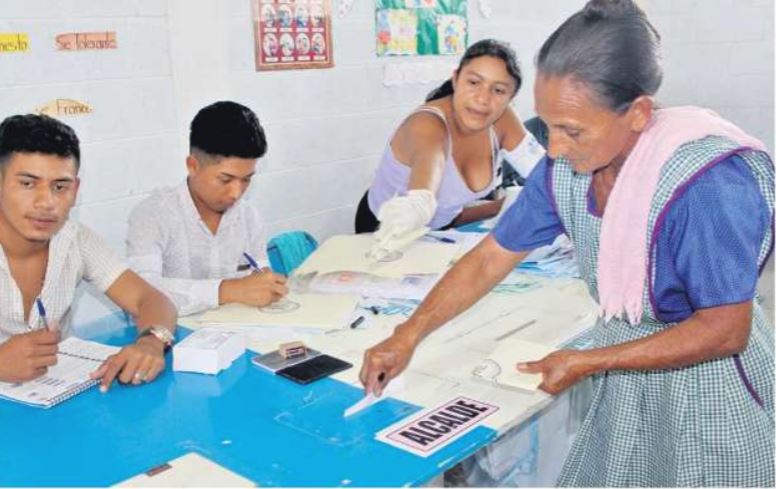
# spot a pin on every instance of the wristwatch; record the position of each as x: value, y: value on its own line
x: 161, y: 333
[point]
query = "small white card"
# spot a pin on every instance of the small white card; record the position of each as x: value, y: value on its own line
x: 434, y: 428
x: 500, y: 367
x: 207, y: 351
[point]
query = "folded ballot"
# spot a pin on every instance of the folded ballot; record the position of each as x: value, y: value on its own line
x: 500, y: 367
x: 207, y: 351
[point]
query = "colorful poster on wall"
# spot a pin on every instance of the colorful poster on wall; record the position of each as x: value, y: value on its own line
x: 420, y: 27
x: 292, y: 35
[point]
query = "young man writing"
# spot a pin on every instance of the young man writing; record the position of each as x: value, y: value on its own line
x: 200, y: 242
x: 45, y: 256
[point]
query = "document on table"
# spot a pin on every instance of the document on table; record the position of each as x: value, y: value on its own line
x: 76, y: 360
x: 321, y: 311
x: 349, y: 254
x: 500, y: 367
x: 190, y: 470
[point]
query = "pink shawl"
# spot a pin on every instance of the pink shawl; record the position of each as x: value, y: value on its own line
x: 622, y: 259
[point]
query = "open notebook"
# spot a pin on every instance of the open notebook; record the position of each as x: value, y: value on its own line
x: 76, y: 359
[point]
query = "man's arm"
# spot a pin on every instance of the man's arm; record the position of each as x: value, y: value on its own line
x: 463, y: 285
x: 144, y: 360
x: 146, y: 241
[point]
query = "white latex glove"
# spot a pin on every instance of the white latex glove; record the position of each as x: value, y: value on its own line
x: 402, y: 221
x: 525, y: 156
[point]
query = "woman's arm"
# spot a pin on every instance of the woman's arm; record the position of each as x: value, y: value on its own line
x: 710, y: 333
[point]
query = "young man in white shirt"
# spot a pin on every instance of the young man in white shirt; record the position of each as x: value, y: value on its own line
x: 45, y: 255
x: 200, y: 242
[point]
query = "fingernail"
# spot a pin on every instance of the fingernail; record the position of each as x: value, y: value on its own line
x: 103, y: 389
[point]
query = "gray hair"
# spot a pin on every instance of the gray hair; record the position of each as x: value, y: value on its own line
x: 611, y: 47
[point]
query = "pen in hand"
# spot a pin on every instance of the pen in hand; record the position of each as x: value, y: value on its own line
x: 252, y: 263
x: 42, y: 313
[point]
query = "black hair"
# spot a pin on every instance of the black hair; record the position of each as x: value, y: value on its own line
x: 227, y: 129
x: 485, y: 47
x: 611, y: 47
x: 33, y: 133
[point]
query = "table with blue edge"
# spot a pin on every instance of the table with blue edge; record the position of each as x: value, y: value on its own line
x: 258, y: 425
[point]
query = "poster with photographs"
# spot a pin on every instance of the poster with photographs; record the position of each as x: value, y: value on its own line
x: 420, y: 27
x: 292, y: 34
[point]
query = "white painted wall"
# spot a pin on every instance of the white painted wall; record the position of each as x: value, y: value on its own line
x: 326, y: 128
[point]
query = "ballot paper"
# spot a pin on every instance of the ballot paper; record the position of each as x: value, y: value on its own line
x: 500, y: 367
x: 397, y: 385
x: 322, y: 311
x: 368, y: 285
x: 349, y: 254
x: 362, y: 404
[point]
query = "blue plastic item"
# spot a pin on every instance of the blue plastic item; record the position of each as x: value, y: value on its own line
x: 286, y: 251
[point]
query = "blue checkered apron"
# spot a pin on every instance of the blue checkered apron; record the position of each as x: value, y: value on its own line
x: 709, y: 424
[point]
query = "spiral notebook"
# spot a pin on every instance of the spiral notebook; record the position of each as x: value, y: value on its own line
x: 76, y: 359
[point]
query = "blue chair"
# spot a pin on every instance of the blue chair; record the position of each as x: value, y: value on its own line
x: 287, y: 251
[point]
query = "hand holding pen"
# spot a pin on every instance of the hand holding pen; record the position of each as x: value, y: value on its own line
x: 253, y: 264
x: 43, y: 316
x: 256, y: 289
x: 27, y: 356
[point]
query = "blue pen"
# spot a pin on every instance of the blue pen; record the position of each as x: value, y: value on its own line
x: 252, y: 263
x: 442, y: 239
x: 42, y: 312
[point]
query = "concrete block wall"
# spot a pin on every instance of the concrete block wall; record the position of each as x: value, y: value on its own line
x: 326, y: 128
x: 130, y: 140
x: 719, y: 54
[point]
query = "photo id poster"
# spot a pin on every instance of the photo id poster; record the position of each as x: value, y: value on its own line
x: 292, y: 35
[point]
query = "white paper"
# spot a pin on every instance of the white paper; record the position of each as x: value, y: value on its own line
x: 423, y: 434
x: 207, y: 351
x: 500, y: 367
x: 330, y: 311
x: 190, y: 470
x: 349, y: 253
x: 362, y: 404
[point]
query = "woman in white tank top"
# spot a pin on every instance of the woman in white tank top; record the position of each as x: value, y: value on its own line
x: 445, y: 154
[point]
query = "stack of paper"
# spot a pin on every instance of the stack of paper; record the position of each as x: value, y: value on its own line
x: 319, y: 311
x: 555, y: 260
x: 207, y: 351
x: 349, y: 254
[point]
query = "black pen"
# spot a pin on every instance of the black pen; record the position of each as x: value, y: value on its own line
x: 358, y: 321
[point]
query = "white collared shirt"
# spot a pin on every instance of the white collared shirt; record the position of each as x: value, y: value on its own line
x: 75, y: 253
x: 169, y: 245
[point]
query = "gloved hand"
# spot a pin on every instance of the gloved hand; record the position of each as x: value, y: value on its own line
x: 402, y: 221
